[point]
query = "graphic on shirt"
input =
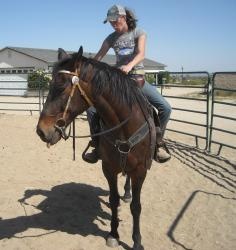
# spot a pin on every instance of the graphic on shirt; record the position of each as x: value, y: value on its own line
x: 125, y: 51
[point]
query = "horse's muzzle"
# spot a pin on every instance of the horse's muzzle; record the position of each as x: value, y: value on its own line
x: 51, y: 136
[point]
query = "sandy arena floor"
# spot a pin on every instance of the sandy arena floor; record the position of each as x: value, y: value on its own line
x: 187, y: 203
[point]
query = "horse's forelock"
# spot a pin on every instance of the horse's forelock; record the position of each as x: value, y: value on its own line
x: 67, y: 63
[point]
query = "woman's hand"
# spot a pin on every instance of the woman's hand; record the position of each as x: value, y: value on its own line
x: 126, y: 68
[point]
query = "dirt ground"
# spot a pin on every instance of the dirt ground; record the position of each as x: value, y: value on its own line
x: 48, y: 201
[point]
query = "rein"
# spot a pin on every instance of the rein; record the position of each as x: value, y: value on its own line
x: 61, y: 122
x: 105, y: 131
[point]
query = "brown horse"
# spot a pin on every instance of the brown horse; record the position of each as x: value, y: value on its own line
x: 128, y: 141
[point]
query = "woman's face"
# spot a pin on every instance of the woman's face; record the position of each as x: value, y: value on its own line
x: 120, y: 24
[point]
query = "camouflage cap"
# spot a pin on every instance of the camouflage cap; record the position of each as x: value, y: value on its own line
x: 114, y: 12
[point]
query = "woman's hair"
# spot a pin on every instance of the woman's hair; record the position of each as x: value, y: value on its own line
x: 130, y: 19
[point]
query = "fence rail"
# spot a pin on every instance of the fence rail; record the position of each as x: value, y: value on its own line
x: 204, y: 84
x: 208, y: 101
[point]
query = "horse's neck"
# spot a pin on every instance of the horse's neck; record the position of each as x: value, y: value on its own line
x: 114, y: 114
x: 110, y: 112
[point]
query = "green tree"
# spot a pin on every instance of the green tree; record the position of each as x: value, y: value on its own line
x: 38, y: 79
x: 163, y: 77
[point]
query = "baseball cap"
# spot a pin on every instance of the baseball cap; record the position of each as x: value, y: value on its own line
x: 114, y: 12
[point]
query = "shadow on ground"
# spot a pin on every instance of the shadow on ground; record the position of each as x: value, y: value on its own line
x: 216, y: 169
x: 72, y: 208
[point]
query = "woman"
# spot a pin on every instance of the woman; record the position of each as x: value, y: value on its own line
x: 129, y: 42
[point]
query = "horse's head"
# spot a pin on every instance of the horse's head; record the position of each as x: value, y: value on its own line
x: 65, y: 99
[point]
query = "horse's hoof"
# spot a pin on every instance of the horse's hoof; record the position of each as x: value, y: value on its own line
x: 112, y: 242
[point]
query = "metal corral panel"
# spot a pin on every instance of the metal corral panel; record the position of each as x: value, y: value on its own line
x: 13, y: 84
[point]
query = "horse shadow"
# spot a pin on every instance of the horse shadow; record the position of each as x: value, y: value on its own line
x: 72, y: 208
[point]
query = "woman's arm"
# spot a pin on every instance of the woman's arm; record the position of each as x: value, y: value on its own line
x: 102, y: 52
x: 139, y: 56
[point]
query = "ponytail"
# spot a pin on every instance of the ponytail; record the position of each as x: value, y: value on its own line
x: 130, y: 19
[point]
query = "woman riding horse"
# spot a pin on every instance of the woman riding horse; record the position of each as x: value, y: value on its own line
x: 128, y: 42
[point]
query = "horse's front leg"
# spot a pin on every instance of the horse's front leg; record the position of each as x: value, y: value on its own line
x: 137, y: 179
x: 114, y: 199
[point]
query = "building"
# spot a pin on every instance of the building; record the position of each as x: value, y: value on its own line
x: 25, y: 60
x: 17, y: 62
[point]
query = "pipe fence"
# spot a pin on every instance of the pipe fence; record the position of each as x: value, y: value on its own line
x: 221, y: 89
x: 199, y: 81
x: 203, y: 91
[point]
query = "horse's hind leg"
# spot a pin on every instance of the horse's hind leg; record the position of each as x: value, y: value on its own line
x: 114, y: 199
x: 127, y: 195
x: 137, y: 179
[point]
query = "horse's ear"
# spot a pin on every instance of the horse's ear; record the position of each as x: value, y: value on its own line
x: 62, y: 54
x: 80, y: 53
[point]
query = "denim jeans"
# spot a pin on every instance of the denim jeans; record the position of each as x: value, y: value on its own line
x: 93, y: 120
x: 153, y: 96
x: 159, y: 102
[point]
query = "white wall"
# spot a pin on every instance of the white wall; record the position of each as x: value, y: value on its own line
x: 17, y: 81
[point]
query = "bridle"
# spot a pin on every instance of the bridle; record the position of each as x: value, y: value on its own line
x: 60, y: 124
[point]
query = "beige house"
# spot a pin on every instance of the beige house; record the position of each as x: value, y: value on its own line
x: 16, y: 63
x: 25, y: 60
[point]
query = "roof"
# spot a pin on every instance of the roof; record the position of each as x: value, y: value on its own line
x: 50, y: 56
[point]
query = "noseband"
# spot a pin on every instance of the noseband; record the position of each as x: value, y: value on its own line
x: 61, y: 122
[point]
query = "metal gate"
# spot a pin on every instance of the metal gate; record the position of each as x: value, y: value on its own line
x: 224, y: 84
x: 193, y: 81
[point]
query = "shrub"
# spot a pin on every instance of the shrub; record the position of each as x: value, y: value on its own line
x: 38, y: 79
x: 163, y: 77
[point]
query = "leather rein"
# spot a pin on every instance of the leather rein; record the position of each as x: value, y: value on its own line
x: 60, y: 124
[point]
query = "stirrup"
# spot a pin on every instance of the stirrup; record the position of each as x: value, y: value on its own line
x: 85, y: 156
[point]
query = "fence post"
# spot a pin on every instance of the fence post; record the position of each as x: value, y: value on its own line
x: 208, y: 116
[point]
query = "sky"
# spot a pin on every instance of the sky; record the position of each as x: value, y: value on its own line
x: 198, y: 35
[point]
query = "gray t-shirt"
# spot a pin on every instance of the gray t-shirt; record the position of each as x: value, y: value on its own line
x: 125, y: 46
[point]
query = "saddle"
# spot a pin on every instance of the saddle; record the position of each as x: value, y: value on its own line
x: 139, y: 79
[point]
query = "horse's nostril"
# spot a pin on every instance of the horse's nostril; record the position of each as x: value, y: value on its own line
x: 40, y: 133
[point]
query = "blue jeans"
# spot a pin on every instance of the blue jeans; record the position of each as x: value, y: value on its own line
x: 153, y: 96
x: 159, y: 102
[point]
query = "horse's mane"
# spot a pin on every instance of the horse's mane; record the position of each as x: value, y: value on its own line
x: 105, y: 78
